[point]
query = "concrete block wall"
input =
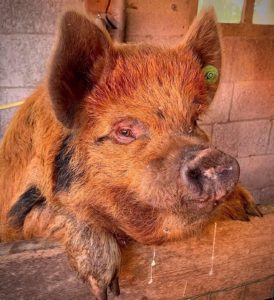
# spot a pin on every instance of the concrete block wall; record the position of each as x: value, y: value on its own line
x: 241, y: 118
x: 246, y: 98
x: 26, y: 37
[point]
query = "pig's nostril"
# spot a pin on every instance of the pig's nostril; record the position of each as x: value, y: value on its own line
x: 194, y: 174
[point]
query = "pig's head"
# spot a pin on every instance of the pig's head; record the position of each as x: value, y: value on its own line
x: 132, y: 113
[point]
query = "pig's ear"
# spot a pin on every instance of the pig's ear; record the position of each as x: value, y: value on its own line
x: 203, y: 40
x: 81, y: 57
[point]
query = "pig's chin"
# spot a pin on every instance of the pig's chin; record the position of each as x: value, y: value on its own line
x: 204, y: 204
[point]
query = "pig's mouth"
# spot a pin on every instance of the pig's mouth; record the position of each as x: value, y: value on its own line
x: 210, y: 201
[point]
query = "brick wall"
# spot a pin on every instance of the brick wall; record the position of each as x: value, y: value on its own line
x: 241, y: 118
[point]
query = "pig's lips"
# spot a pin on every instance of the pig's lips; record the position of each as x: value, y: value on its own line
x: 209, y: 195
x: 213, y: 201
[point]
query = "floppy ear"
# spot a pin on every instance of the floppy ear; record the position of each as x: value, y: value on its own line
x: 203, y: 40
x: 82, y: 55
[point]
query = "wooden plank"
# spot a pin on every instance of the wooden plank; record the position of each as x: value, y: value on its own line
x: 244, y: 253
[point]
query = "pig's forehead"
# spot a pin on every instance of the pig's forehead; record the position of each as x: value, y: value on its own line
x: 147, y: 64
x: 152, y: 79
x: 146, y: 69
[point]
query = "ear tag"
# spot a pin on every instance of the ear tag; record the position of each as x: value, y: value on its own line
x: 211, y: 74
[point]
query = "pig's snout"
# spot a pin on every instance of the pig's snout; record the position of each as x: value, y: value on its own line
x: 209, y: 174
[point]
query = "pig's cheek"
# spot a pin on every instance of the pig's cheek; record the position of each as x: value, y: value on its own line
x: 157, y: 183
x: 158, y: 194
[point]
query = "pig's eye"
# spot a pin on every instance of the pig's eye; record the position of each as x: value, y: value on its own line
x: 124, y: 135
x: 127, y: 131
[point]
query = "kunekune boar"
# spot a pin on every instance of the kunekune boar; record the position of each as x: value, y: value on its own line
x: 108, y: 150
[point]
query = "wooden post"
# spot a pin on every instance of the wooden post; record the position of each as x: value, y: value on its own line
x: 247, y: 13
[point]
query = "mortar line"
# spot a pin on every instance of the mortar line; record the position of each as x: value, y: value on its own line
x: 265, y: 187
x: 238, y: 121
x: 231, y: 101
x: 19, y: 87
x: 269, y: 135
x: 27, y: 33
x: 257, y: 155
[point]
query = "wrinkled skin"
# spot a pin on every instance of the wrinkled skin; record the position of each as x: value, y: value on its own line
x: 108, y: 150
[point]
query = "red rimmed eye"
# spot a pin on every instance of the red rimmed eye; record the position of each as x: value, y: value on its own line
x: 125, y: 135
x: 127, y: 131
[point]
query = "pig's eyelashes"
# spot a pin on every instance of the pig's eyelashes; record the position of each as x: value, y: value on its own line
x: 120, y: 136
x: 101, y: 139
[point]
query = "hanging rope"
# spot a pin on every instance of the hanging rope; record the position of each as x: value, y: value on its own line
x: 10, y: 105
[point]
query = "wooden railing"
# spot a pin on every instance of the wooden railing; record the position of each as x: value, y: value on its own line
x: 238, y: 264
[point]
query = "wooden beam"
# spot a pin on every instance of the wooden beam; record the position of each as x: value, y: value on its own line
x: 243, y: 262
x: 247, y: 12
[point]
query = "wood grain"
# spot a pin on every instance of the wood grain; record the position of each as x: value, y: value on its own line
x: 244, y: 253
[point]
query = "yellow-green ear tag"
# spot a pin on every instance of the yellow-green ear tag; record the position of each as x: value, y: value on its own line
x: 211, y: 74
